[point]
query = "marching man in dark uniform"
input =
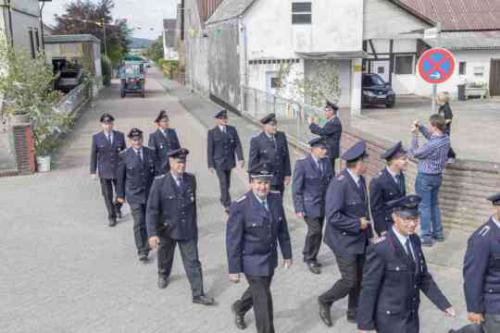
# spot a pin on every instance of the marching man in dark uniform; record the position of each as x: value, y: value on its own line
x: 223, y: 147
x: 395, y: 273
x: 482, y: 273
x: 136, y: 172
x: 311, y: 177
x: 347, y: 231
x: 171, y: 219
x: 387, y: 186
x: 271, y: 148
x: 163, y: 140
x: 106, y: 146
x: 256, y: 225
x: 330, y: 132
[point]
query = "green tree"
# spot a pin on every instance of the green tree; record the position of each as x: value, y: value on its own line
x: 85, y: 17
x: 26, y: 88
x: 155, y: 51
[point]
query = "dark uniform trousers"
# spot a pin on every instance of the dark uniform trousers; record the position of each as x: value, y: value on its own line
x: 351, y: 271
x: 278, y: 188
x: 108, y: 188
x: 332, y: 161
x: 224, y: 184
x: 189, y: 254
x: 258, y: 296
x: 140, y: 235
x: 313, y: 238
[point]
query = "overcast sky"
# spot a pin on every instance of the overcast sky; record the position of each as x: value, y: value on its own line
x: 143, y: 14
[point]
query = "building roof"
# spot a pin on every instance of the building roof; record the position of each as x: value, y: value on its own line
x: 230, y: 9
x: 460, y: 15
x: 169, y: 24
x: 83, y: 38
x: 469, y: 40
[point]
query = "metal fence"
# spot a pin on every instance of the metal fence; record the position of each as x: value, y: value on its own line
x: 292, y: 115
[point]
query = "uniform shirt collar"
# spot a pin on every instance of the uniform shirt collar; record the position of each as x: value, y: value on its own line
x: 393, y: 175
x: 270, y: 136
x: 222, y: 127
x: 493, y: 218
x: 259, y: 199
x: 354, y: 176
x: 137, y: 150
x: 402, y: 239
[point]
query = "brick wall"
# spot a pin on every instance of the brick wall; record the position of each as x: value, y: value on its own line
x: 25, y: 148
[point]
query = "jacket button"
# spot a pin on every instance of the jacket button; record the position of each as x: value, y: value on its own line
x: 490, y: 291
x: 388, y: 312
x: 397, y: 268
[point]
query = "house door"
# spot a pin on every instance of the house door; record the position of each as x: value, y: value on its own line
x: 381, y: 67
x: 495, y: 77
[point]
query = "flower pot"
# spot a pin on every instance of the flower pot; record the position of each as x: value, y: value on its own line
x: 43, y: 163
x: 20, y: 118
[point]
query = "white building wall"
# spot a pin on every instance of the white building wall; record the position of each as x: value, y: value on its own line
x: 383, y: 19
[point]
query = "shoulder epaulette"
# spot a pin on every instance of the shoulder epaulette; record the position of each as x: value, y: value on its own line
x: 160, y: 177
x: 275, y: 192
x: 301, y: 158
x: 484, y: 231
x: 340, y: 177
x: 241, y: 199
x: 379, y: 240
x: 123, y: 151
x: 256, y: 135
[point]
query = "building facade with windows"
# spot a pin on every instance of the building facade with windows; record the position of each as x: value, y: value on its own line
x: 20, y: 24
x: 471, y: 30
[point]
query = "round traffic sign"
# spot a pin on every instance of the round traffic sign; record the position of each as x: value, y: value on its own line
x: 436, y: 65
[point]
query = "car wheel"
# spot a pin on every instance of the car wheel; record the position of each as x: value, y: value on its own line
x: 390, y: 104
x: 123, y: 94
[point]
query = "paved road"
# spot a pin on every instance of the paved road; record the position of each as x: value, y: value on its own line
x: 64, y: 270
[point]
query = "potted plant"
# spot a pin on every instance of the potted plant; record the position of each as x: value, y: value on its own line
x: 26, y: 86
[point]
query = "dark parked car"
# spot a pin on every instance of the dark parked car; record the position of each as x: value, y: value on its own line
x: 377, y: 92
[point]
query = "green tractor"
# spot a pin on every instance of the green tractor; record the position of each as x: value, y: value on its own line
x: 133, y: 78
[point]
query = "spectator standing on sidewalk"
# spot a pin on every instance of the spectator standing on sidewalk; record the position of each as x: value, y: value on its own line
x: 432, y: 157
x: 443, y: 100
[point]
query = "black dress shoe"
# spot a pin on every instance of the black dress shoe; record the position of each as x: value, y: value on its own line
x: 239, y: 319
x: 351, y: 316
x: 317, y: 264
x: 226, y: 210
x: 112, y: 221
x: 119, y: 213
x: 324, y: 314
x: 313, y: 268
x: 203, y: 300
x: 162, y: 282
x: 143, y: 257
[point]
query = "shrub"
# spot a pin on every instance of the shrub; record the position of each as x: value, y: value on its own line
x: 106, y: 70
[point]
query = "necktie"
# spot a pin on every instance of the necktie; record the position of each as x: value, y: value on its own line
x: 273, y: 139
x: 408, y: 249
x: 264, y: 203
x: 108, y: 136
x: 139, y: 155
x: 224, y: 129
x: 320, y: 166
x: 362, y: 188
x: 179, y: 181
x: 400, y: 183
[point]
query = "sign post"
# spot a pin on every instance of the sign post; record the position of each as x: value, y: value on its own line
x: 436, y: 66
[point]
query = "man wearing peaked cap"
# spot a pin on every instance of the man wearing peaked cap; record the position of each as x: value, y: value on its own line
x: 136, y: 171
x: 347, y: 231
x: 330, y: 132
x: 482, y: 275
x: 163, y: 140
x: 395, y: 273
x: 311, y: 177
x: 256, y: 224
x: 106, y: 145
x: 388, y: 185
x: 171, y: 220
x: 223, y: 148
x: 271, y: 147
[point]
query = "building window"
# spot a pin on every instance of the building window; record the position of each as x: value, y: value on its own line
x: 276, y: 83
x: 301, y: 13
x: 37, y: 40
x: 479, y: 71
x: 380, y: 70
x: 403, y: 64
x: 462, y: 68
x: 32, y: 43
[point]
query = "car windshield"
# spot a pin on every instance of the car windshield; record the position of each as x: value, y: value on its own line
x: 373, y: 80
